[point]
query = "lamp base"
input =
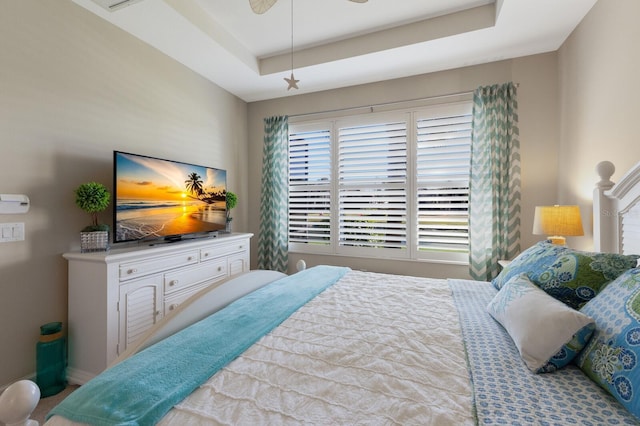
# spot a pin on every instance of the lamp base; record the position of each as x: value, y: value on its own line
x: 556, y: 239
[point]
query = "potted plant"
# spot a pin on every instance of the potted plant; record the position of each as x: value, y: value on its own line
x: 93, y: 197
x: 232, y: 201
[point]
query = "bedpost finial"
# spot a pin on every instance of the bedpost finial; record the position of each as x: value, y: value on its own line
x: 301, y: 265
x: 18, y: 401
x: 605, y: 170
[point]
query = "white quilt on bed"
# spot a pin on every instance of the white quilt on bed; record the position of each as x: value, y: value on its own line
x: 386, y: 366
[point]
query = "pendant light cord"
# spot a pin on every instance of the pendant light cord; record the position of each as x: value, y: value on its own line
x: 292, y: 36
x: 291, y: 81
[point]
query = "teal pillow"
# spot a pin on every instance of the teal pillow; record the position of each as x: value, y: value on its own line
x: 571, y: 276
x: 547, y: 333
x: 612, y: 357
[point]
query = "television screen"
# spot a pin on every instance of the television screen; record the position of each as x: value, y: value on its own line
x: 157, y: 198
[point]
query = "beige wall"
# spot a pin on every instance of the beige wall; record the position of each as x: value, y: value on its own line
x: 72, y: 89
x: 599, y: 69
x: 539, y: 128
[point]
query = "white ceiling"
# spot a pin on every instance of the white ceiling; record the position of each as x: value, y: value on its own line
x: 339, y: 43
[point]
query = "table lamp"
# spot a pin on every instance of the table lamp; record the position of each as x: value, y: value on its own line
x: 557, y: 222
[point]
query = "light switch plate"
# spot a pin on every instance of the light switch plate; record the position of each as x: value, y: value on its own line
x: 11, y: 232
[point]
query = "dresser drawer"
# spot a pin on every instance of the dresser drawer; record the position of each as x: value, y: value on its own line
x: 174, y: 300
x: 208, y: 253
x: 145, y: 267
x: 209, y: 272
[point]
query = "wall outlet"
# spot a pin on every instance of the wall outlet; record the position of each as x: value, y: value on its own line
x: 11, y: 232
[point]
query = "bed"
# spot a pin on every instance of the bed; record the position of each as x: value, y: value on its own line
x: 554, y: 339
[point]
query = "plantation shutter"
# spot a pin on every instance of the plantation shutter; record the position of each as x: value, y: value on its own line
x: 310, y: 185
x: 443, y: 151
x: 388, y: 185
x: 372, y: 185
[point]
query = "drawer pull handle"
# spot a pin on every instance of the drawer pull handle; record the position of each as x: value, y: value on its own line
x: 156, y: 313
x: 190, y: 258
x: 173, y: 306
x: 219, y: 268
x: 132, y: 271
x: 173, y: 282
x: 206, y: 254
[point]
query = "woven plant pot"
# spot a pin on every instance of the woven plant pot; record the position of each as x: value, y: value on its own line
x: 94, y: 241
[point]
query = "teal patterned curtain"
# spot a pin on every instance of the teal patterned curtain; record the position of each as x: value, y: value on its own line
x: 273, y: 239
x: 494, y: 207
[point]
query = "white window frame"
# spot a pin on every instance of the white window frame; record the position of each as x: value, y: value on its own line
x: 411, y: 252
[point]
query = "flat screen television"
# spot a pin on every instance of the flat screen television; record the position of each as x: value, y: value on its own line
x: 158, y: 199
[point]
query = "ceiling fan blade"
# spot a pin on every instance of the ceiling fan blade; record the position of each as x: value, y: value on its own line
x: 261, y: 6
x: 359, y: 1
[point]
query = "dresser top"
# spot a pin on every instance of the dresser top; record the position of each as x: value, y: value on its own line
x: 154, y: 248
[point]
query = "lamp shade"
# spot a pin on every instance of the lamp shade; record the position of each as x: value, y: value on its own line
x: 557, y: 222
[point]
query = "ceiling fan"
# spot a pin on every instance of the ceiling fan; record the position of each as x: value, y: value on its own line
x: 261, y: 6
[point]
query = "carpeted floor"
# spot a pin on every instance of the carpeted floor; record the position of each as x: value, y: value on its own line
x: 46, y: 404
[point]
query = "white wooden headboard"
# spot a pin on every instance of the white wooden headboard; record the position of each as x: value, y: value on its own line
x: 616, y: 211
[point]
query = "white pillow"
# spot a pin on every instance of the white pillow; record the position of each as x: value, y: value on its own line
x: 547, y: 333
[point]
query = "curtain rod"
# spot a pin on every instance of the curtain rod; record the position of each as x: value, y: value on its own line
x: 429, y: 98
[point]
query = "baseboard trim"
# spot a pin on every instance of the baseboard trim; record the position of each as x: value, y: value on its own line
x: 78, y: 377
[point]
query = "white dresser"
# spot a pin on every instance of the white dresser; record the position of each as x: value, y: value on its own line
x: 115, y: 296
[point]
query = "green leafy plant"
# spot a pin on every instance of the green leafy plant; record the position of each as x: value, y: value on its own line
x: 93, y: 197
x: 232, y: 201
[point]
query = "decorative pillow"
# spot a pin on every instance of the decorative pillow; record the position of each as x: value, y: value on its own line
x: 611, y: 357
x: 547, y: 333
x: 571, y: 276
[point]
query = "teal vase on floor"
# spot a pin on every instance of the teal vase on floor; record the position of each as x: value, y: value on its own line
x: 51, y: 360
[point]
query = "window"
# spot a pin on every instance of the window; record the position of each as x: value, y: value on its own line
x: 310, y: 177
x: 392, y: 185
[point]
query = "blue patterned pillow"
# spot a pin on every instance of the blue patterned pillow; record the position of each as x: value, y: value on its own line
x: 612, y: 356
x: 547, y: 333
x: 571, y: 276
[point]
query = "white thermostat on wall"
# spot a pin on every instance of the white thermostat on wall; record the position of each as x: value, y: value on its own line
x: 14, y: 203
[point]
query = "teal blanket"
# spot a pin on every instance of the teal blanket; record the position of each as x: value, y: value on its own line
x: 143, y: 388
